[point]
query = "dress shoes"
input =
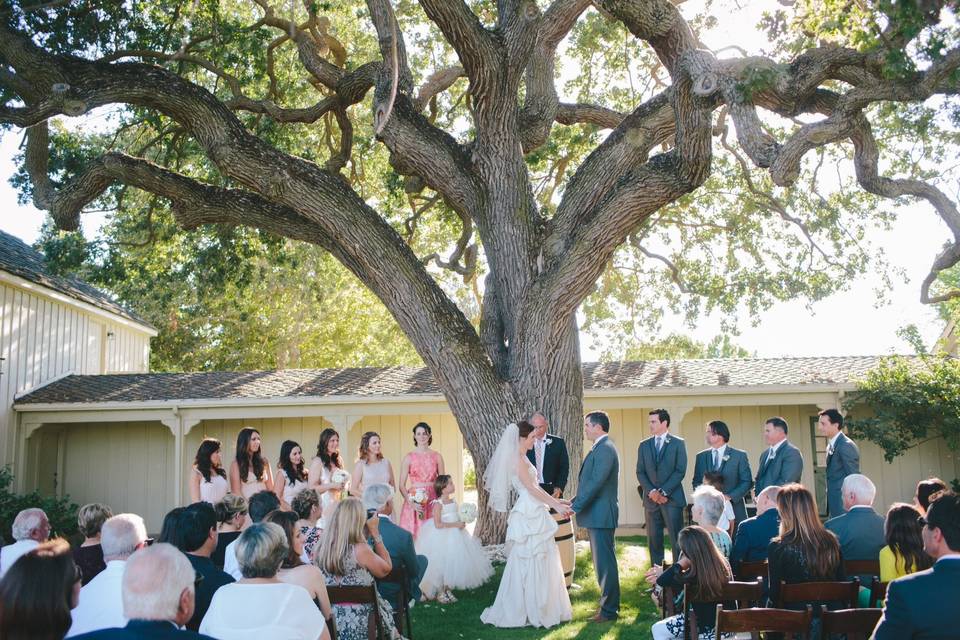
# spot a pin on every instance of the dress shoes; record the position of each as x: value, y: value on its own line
x: 599, y: 617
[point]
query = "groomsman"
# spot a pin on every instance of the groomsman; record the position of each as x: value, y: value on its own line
x: 549, y: 455
x: 782, y: 462
x: 661, y: 466
x: 843, y: 458
x: 732, y: 464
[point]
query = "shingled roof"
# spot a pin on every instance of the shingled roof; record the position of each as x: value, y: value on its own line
x: 399, y: 381
x: 21, y: 260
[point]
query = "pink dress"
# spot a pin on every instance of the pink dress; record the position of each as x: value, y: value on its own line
x: 422, y: 471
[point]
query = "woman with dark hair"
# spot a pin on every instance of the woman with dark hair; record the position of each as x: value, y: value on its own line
x: 805, y: 551
x: 89, y: 555
x: 208, y: 480
x: 38, y: 592
x: 306, y: 505
x: 926, y: 489
x: 250, y: 472
x: 291, y: 478
x: 324, y: 466
x: 904, y: 552
x: 418, y: 471
x: 170, y: 531
x: 704, y: 571
x: 371, y: 467
x: 293, y: 570
x: 231, y: 518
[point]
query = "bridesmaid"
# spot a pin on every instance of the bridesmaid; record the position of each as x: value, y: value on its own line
x: 372, y: 467
x: 250, y: 472
x: 322, y: 467
x: 208, y: 482
x: 291, y: 478
x: 418, y: 470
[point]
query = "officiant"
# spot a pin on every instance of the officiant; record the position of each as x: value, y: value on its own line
x: 549, y: 455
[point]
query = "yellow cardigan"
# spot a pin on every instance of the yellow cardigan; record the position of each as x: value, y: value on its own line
x: 891, y: 566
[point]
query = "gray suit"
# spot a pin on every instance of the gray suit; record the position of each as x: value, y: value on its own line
x: 735, y: 470
x: 598, y: 511
x: 844, y: 461
x: 860, y: 532
x: 786, y: 467
x: 399, y: 544
x: 664, y: 472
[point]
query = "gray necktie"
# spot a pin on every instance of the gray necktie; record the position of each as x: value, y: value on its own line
x: 716, y: 459
x: 659, y: 445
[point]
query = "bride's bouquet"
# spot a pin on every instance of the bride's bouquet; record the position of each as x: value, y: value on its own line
x: 420, y: 497
x: 468, y: 512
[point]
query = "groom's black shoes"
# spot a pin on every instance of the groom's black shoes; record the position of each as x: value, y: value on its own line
x: 599, y: 617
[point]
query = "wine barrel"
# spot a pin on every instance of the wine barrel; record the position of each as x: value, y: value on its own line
x: 564, y: 540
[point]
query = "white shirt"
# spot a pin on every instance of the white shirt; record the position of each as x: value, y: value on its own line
x: 719, y: 455
x: 774, y: 449
x: 832, y: 443
x: 726, y: 517
x: 598, y: 441
x: 101, y: 602
x: 12, y: 552
x: 258, y: 611
x: 540, y: 444
x: 230, y: 564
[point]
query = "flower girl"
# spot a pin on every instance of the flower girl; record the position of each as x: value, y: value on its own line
x: 456, y: 560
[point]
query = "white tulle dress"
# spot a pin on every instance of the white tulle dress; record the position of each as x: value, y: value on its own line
x: 532, y: 590
x: 455, y: 559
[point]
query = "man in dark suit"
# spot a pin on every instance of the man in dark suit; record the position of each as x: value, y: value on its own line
x: 754, y: 534
x: 661, y: 466
x: 158, y: 591
x: 598, y: 510
x: 860, y: 528
x: 781, y: 463
x: 399, y: 544
x: 732, y: 465
x: 843, y: 458
x: 197, y: 526
x: 549, y: 456
x: 923, y: 605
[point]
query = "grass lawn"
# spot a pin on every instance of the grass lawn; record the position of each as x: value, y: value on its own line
x: 637, y: 613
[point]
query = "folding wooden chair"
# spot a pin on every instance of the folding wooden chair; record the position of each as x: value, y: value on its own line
x: 878, y: 593
x: 332, y: 627
x: 846, y: 593
x: 757, y: 621
x: 398, y: 576
x: 360, y: 595
x: 856, y: 624
x: 744, y: 594
x: 861, y: 568
x: 750, y: 570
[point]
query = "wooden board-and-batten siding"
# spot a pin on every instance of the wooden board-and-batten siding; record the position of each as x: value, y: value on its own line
x: 43, y: 336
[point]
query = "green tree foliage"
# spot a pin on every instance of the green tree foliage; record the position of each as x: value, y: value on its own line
x: 61, y: 512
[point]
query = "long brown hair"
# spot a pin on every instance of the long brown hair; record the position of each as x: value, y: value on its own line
x: 287, y: 520
x: 328, y: 459
x: 800, y: 527
x: 365, y: 446
x: 709, y: 570
x: 902, y: 532
x: 244, y: 459
x: 36, y: 593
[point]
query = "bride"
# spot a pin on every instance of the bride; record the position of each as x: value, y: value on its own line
x: 532, y: 590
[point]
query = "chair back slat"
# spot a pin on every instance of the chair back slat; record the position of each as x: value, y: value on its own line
x: 861, y: 568
x: 744, y: 594
x: 847, y: 593
x: 398, y: 576
x: 359, y: 594
x: 764, y: 620
x: 878, y: 592
x: 749, y: 570
x: 856, y: 624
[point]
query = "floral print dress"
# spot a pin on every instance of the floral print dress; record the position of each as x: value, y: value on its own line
x: 353, y: 619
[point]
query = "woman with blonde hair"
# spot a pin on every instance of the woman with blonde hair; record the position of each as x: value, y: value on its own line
x: 372, y: 467
x: 346, y: 559
x: 805, y: 551
x: 704, y: 571
x: 89, y: 555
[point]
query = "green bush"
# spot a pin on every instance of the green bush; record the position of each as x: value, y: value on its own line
x: 469, y: 471
x: 61, y: 511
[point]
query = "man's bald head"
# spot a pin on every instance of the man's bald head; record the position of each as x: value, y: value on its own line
x: 158, y: 584
x: 767, y: 499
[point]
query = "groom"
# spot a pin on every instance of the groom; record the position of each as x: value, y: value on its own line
x: 597, y: 510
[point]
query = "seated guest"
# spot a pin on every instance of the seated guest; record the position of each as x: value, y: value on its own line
x: 399, y: 544
x: 904, y: 552
x: 260, y: 504
x: 89, y: 555
x: 707, y: 510
x: 306, y: 505
x: 38, y: 592
x: 198, y: 539
x: 347, y: 560
x: 804, y: 551
x: 158, y: 597
x: 924, y: 604
x: 704, y: 571
x: 293, y: 570
x: 728, y: 519
x: 170, y: 529
x: 29, y: 529
x: 754, y: 534
x: 925, y: 489
x: 101, y: 604
x: 231, y: 516
x: 860, y: 529
x: 259, y: 606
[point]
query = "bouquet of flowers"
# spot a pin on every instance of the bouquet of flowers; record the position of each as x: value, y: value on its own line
x: 340, y: 476
x: 420, y: 497
x: 468, y: 512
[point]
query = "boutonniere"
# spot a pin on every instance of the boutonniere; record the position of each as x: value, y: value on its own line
x: 725, y: 458
x: 547, y: 441
x: 666, y: 440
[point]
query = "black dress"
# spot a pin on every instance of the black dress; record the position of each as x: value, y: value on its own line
x: 786, y: 562
x: 706, y: 612
x: 90, y: 561
x: 223, y: 540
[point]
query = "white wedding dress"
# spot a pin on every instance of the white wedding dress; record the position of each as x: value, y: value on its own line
x: 532, y: 590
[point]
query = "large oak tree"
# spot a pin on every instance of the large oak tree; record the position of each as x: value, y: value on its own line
x: 212, y: 80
